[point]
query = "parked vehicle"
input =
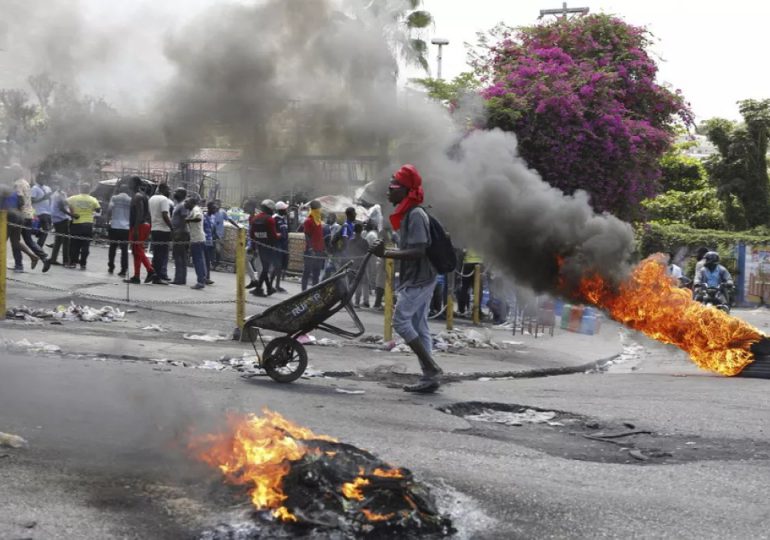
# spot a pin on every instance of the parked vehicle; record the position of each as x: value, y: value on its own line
x: 104, y: 191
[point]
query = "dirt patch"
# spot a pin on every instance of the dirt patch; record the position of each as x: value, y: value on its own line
x: 573, y: 436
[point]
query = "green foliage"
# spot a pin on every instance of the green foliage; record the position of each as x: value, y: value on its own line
x: 419, y: 19
x: 658, y: 237
x: 687, y: 197
x: 450, y: 92
x: 699, y: 208
x: 414, y: 20
x: 740, y: 169
x: 681, y: 172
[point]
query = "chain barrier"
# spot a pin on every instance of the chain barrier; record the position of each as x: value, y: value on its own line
x: 440, y: 313
x: 107, y: 241
x: 459, y: 273
x: 100, y: 240
x: 324, y: 257
x: 77, y: 293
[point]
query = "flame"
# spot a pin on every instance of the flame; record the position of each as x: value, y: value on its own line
x: 372, y: 516
x: 352, y: 490
x: 391, y: 473
x: 650, y: 301
x: 257, y: 451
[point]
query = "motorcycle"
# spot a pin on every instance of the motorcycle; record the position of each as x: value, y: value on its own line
x: 717, y: 297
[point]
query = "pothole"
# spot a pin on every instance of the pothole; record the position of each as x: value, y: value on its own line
x: 583, y: 438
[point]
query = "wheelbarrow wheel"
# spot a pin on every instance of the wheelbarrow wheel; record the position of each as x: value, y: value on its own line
x: 284, y: 359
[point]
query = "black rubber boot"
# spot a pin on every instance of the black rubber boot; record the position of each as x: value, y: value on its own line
x: 431, y: 372
x: 379, y: 292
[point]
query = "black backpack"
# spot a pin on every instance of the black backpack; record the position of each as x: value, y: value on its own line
x: 441, y: 253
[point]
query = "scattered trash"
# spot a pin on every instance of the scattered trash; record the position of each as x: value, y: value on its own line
x: 327, y: 342
x: 306, y: 339
x: 73, y: 312
x: 12, y: 441
x: 453, y: 340
x: 175, y: 363
x: 529, y: 416
x: 209, y: 364
x: 371, y: 338
x: 25, y: 345
x: 210, y: 337
x: 155, y: 328
x: 346, y: 391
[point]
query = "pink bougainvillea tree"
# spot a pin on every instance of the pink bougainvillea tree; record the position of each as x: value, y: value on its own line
x: 582, y: 98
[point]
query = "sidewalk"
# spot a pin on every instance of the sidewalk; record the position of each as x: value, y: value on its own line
x: 213, y: 310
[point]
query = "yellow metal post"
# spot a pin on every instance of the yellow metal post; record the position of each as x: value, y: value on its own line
x: 450, y: 300
x: 389, y: 277
x: 477, y: 294
x: 3, y: 256
x: 240, y: 279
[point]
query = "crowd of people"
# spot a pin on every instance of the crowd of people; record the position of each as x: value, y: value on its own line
x: 179, y: 226
x: 175, y: 224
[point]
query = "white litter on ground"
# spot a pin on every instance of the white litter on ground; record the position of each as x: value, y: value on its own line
x: 327, y: 342
x: 346, y: 391
x: 154, y: 328
x: 529, y: 416
x: 210, y: 364
x: 73, y: 312
x: 452, y: 340
x: 25, y: 345
x: 210, y: 337
x: 12, y: 441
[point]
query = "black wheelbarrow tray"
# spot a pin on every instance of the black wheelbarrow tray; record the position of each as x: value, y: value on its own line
x: 284, y: 358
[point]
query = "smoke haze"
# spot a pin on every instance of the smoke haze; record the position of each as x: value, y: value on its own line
x: 319, y: 77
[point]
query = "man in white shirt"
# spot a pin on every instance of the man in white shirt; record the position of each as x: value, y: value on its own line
x: 160, y: 214
x: 41, y: 202
x: 118, y: 215
x: 674, y: 270
x: 197, y: 239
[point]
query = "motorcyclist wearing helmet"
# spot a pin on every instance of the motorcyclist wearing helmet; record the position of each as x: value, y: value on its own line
x: 713, y: 274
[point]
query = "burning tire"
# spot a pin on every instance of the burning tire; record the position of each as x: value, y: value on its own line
x: 284, y: 359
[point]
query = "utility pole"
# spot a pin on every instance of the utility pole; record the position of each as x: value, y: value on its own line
x: 563, y: 12
x: 440, y: 42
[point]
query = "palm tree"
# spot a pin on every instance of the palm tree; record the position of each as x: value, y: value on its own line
x: 405, y: 32
x: 417, y: 20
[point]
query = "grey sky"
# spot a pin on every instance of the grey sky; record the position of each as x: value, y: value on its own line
x: 714, y: 52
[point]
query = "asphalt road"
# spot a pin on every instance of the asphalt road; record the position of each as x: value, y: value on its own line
x: 107, y: 460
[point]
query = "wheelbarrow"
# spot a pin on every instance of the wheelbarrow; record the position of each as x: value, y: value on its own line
x: 284, y: 358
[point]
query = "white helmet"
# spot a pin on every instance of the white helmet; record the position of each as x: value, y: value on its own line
x: 280, y: 205
x: 268, y: 204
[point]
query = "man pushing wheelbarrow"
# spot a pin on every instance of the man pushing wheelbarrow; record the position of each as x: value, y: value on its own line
x: 285, y: 359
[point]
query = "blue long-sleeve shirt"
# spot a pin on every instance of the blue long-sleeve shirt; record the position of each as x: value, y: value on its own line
x: 208, y: 229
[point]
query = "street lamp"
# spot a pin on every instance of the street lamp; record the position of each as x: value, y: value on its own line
x: 440, y: 42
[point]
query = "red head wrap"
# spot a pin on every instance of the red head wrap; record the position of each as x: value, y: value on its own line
x: 409, y: 177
